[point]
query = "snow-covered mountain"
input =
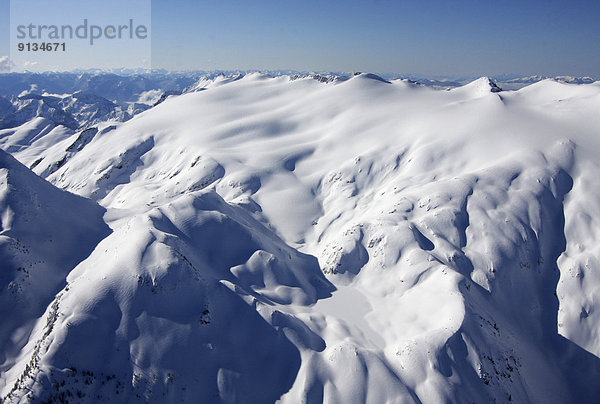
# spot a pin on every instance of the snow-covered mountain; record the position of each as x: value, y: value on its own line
x: 44, y: 234
x: 120, y: 89
x: 71, y: 111
x: 515, y: 82
x: 306, y: 239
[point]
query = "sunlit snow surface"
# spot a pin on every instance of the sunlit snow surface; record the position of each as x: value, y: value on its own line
x: 267, y: 239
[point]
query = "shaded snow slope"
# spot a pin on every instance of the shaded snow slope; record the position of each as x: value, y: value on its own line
x: 311, y: 240
x: 44, y: 234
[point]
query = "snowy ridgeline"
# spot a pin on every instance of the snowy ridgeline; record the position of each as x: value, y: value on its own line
x: 304, y: 239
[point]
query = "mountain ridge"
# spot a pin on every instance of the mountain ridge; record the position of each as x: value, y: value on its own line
x: 300, y: 238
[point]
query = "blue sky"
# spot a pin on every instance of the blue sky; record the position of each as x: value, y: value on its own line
x: 432, y: 38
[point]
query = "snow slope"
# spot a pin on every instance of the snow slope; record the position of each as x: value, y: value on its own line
x: 316, y: 240
x: 44, y: 234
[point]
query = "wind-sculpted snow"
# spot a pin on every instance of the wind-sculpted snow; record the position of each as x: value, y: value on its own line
x: 307, y: 239
x: 161, y: 293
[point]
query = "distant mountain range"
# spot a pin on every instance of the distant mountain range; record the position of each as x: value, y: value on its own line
x: 127, y: 88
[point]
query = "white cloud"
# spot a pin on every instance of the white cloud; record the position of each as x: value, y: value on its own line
x: 5, y: 64
x: 150, y: 97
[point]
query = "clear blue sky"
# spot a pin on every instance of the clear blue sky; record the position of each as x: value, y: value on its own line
x: 425, y: 37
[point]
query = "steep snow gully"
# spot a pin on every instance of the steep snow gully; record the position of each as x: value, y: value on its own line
x: 288, y: 239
